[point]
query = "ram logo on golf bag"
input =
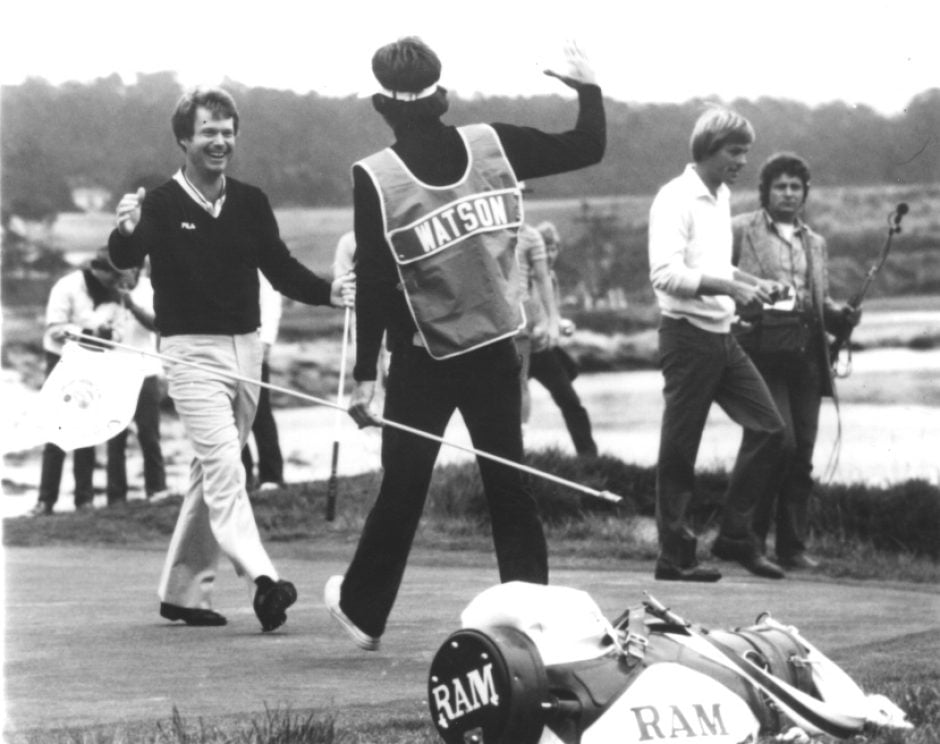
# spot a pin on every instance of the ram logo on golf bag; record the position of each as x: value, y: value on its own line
x: 542, y: 665
x: 462, y: 695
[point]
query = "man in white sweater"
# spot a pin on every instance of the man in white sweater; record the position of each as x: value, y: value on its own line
x: 697, y: 288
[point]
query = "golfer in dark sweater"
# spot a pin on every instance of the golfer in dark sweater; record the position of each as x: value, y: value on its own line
x: 436, y: 217
x: 207, y: 236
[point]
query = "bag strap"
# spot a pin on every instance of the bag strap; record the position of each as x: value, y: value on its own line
x: 808, y: 712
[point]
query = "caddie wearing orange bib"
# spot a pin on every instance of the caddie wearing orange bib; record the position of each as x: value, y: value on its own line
x: 436, y: 218
x: 460, y: 250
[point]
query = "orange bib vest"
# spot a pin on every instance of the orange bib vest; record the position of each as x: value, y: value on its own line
x: 454, y: 246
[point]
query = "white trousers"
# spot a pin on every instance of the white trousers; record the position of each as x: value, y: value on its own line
x: 216, y: 515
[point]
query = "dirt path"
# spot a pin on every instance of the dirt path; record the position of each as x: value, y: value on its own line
x: 85, y: 645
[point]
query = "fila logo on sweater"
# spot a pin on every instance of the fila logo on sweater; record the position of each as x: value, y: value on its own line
x: 188, y: 225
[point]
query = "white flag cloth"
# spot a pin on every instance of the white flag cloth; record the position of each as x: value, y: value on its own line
x: 89, y: 396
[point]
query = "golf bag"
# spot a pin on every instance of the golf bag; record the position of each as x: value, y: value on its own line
x: 541, y: 665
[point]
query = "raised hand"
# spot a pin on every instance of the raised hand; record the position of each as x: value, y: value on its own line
x: 128, y: 211
x: 577, y: 68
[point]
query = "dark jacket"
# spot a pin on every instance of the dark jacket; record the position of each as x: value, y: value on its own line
x: 754, y: 235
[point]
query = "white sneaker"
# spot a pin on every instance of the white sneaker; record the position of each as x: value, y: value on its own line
x: 269, y: 486
x: 331, y: 598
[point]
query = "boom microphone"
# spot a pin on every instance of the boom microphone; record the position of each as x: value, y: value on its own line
x: 902, y: 209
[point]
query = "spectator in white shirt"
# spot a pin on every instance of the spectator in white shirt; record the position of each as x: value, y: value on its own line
x: 697, y: 288
x: 84, y: 301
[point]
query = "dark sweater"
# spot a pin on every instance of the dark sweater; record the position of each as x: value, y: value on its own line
x: 204, y: 269
x: 435, y: 153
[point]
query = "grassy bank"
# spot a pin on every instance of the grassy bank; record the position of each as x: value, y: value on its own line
x: 863, y: 532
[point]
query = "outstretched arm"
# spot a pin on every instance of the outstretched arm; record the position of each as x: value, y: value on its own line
x: 534, y: 153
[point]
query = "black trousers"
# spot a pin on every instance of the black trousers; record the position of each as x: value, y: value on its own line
x: 53, y: 461
x: 423, y: 393
x: 147, y: 419
x: 796, y: 388
x: 546, y: 367
x: 700, y: 368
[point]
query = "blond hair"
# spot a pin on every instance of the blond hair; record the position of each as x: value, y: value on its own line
x: 717, y: 127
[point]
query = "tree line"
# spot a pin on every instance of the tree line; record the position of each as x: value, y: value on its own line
x: 299, y: 147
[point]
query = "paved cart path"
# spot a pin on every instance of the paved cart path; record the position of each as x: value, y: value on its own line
x: 85, y: 645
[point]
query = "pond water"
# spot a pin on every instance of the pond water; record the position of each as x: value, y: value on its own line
x: 886, y: 436
x: 889, y: 430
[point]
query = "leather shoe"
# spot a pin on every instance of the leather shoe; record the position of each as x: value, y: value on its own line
x: 799, y: 561
x: 740, y: 552
x: 272, y: 598
x: 703, y: 574
x: 42, y: 509
x: 760, y: 565
x: 191, y: 615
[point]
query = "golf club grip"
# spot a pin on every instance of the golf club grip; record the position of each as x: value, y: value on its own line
x: 331, y: 485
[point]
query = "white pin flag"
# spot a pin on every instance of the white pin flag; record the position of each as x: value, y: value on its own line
x: 89, y: 396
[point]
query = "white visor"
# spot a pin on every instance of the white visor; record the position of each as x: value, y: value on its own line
x: 400, y: 95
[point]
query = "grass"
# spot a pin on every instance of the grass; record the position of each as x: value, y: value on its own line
x: 275, y: 726
x: 904, y: 670
x: 921, y: 702
x: 455, y: 529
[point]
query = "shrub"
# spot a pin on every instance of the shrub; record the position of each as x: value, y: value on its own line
x: 900, y: 517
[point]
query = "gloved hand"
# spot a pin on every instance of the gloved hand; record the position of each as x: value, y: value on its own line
x: 851, y: 315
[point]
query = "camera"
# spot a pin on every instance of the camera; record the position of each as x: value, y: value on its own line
x: 783, y: 292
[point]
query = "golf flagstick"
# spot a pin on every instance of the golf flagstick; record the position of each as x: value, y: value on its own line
x: 332, y: 482
x: 605, y: 495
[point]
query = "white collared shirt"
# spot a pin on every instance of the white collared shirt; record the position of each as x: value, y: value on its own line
x: 70, y: 307
x: 690, y: 237
x: 212, y: 207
